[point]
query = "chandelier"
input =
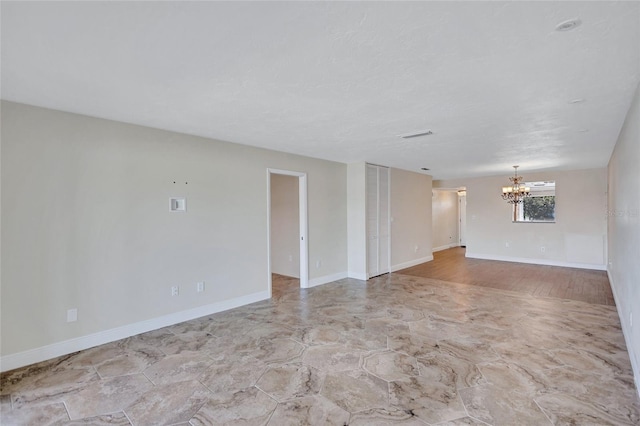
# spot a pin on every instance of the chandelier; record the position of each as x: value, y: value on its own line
x: 517, y: 192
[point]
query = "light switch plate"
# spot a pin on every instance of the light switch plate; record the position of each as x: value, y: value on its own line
x: 178, y: 204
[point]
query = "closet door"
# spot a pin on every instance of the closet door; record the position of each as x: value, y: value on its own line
x: 378, y: 225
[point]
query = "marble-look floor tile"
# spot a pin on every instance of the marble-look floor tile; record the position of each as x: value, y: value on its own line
x: 391, y: 366
x: 445, y: 368
x: 318, y: 335
x: 42, y: 415
x: 413, y: 345
x: 385, y: 417
x: 527, y: 356
x: 290, y: 381
x: 332, y: 358
x: 234, y: 374
x: 564, y: 409
x: 192, y: 341
x: 106, y: 396
x: 168, y: 404
x: 497, y: 406
x: 356, y: 391
x: 514, y: 377
x: 404, y: 313
x: 51, y: 386
x: 430, y: 401
x: 178, y: 368
x: 310, y: 410
x: 465, y: 421
x: 247, y: 407
x: 277, y: 350
x: 386, y: 326
x: 395, y: 349
x: 365, y: 340
x: 433, y: 329
x: 589, y: 361
x: 129, y: 362
x: 468, y: 350
x: 114, y: 419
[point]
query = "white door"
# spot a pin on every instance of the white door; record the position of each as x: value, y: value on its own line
x: 378, y: 221
x: 462, y: 220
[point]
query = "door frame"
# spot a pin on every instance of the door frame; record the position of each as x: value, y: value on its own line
x: 303, y: 218
x: 462, y: 218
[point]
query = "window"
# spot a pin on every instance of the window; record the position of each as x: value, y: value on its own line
x: 540, y: 206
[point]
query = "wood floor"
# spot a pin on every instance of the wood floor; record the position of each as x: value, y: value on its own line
x: 537, y: 280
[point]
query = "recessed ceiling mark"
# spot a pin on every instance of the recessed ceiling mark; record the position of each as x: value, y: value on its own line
x: 568, y: 25
x: 577, y: 101
x: 424, y: 168
x: 416, y: 134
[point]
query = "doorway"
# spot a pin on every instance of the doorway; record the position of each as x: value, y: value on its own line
x: 287, y: 245
x: 462, y: 218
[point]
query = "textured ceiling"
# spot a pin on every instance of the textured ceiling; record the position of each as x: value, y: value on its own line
x: 341, y: 80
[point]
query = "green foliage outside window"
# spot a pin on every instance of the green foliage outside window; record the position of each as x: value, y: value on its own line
x: 540, y: 208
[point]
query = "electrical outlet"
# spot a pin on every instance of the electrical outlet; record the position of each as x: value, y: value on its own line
x: 416, y: 248
x: 542, y: 249
x: 318, y: 263
x: 200, y: 286
x: 631, y: 320
x: 72, y: 315
x: 175, y: 290
x: 290, y: 258
x: 506, y: 244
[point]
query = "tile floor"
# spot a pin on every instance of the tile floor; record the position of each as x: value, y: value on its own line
x: 398, y: 349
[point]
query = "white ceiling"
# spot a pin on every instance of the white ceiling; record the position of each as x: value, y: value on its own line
x: 340, y: 80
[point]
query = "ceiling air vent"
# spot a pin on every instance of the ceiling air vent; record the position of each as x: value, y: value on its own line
x: 416, y: 134
x: 568, y: 25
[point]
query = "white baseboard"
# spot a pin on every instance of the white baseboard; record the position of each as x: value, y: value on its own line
x: 533, y: 261
x: 357, y: 276
x: 445, y: 247
x: 411, y: 263
x: 327, y: 279
x: 626, y: 333
x: 31, y: 356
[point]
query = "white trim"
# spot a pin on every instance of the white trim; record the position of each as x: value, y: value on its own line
x: 304, y: 240
x: 43, y: 353
x: 357, y: 276
x: 327, y: 279
x: 626, y: 333
x: 411, y: 263
x: 533, y: 261
x: 448, y: 246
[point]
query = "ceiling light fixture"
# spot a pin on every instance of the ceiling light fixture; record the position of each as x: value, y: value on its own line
x: 424, y: 168
x: 568, y: 25
x: 517, y: 192
x: 416, y: 134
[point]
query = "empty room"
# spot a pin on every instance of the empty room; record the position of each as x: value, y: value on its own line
x: 320, y: 213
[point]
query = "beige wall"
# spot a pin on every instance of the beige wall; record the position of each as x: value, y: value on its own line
x: 86, y: 225
x: 576, y: 239
x: 624, y: 230
x: 285, y: 225
x: 445, y: 219
x: 411, y: 219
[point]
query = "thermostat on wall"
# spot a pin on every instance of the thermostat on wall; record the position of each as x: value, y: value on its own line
x: 178, y: 204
